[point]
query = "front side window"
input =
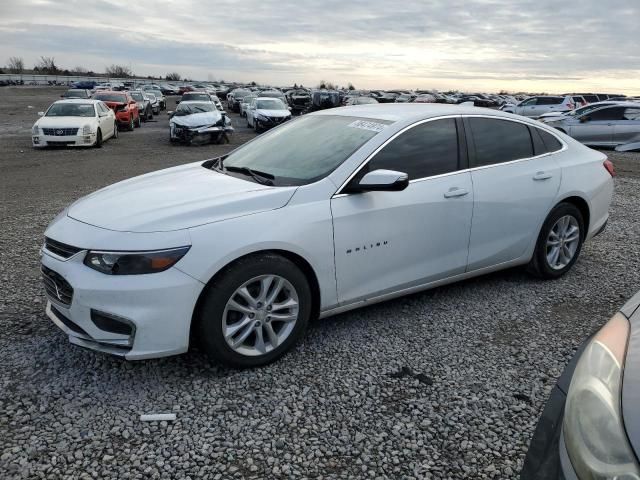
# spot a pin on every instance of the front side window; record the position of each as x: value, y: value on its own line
x: 306, y: 149
x: 529, y: 102
x: 632, y: 114
x: 426, y: 150
x: 499, y: 141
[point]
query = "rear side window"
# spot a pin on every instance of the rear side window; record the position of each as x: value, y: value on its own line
x: 615, y: 113
x: 428, y: 149
x: 632, y: 114
x: 550, y: 100
x: 499, y: 141
x: 544, y: 142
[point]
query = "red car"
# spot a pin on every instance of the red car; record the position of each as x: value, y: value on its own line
x: 185, y: 88
x: 123, y: 105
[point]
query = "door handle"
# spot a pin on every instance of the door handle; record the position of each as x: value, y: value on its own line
x: 542, y: 176
x: 456, y: 192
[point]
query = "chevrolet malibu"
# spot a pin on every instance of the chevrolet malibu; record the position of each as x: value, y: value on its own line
x: 590, y: 428
x: 336, y: 210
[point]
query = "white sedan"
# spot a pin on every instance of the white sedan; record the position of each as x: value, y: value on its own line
x: 77, y: 122
x: 266, y: 112
x: 332, y: 211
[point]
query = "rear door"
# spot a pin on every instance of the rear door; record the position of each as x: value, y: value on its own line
x: 527, y: 107
x: 513, y: 190
x: 627, y: 130
x: 389, y: 241
x: 597, y: 127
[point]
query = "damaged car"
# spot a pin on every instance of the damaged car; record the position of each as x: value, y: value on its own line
x: 266, y: 112
x: 198, y: 123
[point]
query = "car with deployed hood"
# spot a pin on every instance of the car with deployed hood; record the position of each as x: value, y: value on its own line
x: 195, y: 122
x: 605, y: 126
x: 590, y: 426
x: 318, y: 216
x: 74, y: 123
x: 266, y: 112
x: 124, y: 106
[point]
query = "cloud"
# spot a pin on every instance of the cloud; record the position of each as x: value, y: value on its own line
x: 486, y: 44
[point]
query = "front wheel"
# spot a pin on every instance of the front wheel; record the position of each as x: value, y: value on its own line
x: 559, y: 243
x: 115, y: 129
x: 131, y: 125
x: 98, y: 143
x: 255, y: 311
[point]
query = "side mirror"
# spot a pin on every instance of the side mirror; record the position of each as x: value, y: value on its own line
x: 170, y: 113
x: 41, y: 114
x: 381, y: 181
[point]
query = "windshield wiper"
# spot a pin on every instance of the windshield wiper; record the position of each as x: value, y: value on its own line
x: 261, y: 177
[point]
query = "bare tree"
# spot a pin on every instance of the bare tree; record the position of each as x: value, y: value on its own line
x: 351, y: 87
x: 118, y: 71
x: 15, y: 65
x: 47, y: 65
x: 80, y: 70
x: 327, y: 85
x: 173, y: 77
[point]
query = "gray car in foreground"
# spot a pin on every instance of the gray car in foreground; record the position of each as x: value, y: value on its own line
x: 608, y: 126
x: 590, y: 427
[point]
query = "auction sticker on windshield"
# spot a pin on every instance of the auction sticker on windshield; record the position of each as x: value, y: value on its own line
x: 367, y: 125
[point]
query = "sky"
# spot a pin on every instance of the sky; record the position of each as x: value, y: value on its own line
x: 471, y: 45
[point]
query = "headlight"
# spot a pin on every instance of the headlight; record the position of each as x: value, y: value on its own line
x: 86, y: 130
x: 261, y: 117
x: 35, y: 130
x: 593, y: 427
x: 134, y: 263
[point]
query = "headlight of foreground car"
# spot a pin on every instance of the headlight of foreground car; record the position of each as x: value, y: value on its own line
x: 35, y: 130
x: 134, y: 263
x: 86, y: 130
x: 593, y: 427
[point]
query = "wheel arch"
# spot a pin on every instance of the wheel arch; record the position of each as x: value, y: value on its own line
x: 584, y: 208
x: 298, y: 260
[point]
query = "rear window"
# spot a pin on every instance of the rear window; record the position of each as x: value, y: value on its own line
x: 499, y: 141
x: 110, y: 97
x: 544, y: 142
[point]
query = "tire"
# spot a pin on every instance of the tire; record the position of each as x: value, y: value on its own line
x: 138, y: 121
x: 131, y: 125
x: 98, y: 143
x: 542, y: 265
x: 115, y: 130
x: 214, y: 315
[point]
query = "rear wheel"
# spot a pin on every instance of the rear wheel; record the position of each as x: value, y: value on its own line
x: 138, y: 121
x: 98, y: 143
x: 559, y: 243
x: 115, y: 129
x: 255, y: 311
x: 131, y: 123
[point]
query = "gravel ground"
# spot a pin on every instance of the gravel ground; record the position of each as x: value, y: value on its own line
x: 446, y: 384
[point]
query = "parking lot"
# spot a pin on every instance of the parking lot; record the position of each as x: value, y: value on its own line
x: 448, y: 383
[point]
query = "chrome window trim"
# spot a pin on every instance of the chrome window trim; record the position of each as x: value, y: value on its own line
x: 470, y: 169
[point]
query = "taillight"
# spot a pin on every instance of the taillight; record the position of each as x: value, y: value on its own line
x: 608, y: 164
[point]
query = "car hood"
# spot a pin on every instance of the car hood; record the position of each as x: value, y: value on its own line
x: 175, y: 199
x: 631, y: 379
x: 273, y: 113
x: 197, y: 119
x: 69, y: 122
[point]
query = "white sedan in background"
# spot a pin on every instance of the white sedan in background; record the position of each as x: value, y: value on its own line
x: 77, y: 122
x: 266, y: 112
x: 332, y: 211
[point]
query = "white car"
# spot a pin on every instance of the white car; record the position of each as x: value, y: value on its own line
x: 332, y: 211
x: 537, y: 106
x: 266, y: 112
x: 76, y: 123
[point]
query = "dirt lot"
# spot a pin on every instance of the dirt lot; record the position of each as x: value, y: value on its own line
x: 491, y: 349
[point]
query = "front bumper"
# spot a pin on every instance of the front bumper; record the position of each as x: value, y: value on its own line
x: 184, y: 134
x: 147, y: 316
x: 124, y: 118
x: 41, y: 140
x: 266, y: 122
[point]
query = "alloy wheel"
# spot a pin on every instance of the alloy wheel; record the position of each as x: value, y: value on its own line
x: 562, y: 242
x: 260, y: 315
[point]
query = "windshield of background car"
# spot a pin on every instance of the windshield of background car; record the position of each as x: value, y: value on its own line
x: 240, y: 93
x: 306, y: 149
x: 189, y: 108
x: 71, y: 110
x: 196, y: 96
x: 76, y: 94
x: 157, y: 93
x: 110, y: 97
x: 274, y: 104
x: 137, y: 96
x: 151, y: 95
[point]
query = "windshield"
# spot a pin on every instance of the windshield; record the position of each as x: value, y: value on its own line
x: 240, y: 93
x: 110, y: 97
x: 248, y: 99
x: 136, y: 96
x: 306, y: 149
x: 196, y: 96
x: 150, y: 95
x: 274, y: 104
x: 189, y: 108
x: 71, y: 110
x: 157, y: 93
x: 76, y: 94
x: 272, y: 94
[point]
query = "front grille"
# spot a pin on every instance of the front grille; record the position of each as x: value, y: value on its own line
x: 69, y: 324
x: 57, y: 288
x: 61, y: 249
x: 276, y: 120
x: 60, y: 132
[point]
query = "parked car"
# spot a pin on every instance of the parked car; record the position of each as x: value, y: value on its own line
x: 124, y: 106
x: 266, y: 112
x: 162, y: 101
x: 323, y: 99
x: 233, y: 98
x: 607, y: 126
x: 144, y: 104
x: 168, y: 89
x: 425, y: 98
x: 244, y: 104
x: 154, y: 102
x: 196, y: 97
x: 77, y: 93
x: 590, y: 426
x: 323, y: 214
x: 195, y: 122
x: 299, y: 100
x: 551, y: 116
x: 74, y: 123
x: 536, y: 106
x: 406, y: 98
x: 185, y: 88
x: 84, y: 85
x: 361, y: 101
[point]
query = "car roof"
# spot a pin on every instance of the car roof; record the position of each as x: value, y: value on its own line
x: 112, y: 91
x: 79, y: 100
x: 267, y: 98
x: 190, y: 102
x: 409, y: 112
